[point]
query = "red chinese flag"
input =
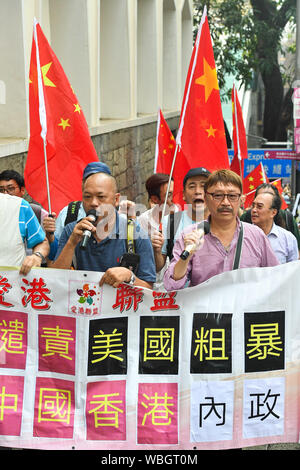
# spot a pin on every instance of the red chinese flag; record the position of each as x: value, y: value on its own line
x: 238, y: 136
x: 201, y: 133
x: 278, y: 185
x: 251, y: 182
x: 164, y: 155
x: 165, y: 146
x: 56, y: 122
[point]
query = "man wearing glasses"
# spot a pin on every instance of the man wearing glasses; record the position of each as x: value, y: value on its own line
x: 230, y: 244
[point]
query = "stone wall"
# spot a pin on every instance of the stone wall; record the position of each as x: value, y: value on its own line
x: 129, y: 152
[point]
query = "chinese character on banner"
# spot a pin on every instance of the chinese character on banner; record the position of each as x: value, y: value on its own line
x: 54, y: 408
x: 159, y: 345
x: 11, y: 405
x: 13, y: 339
x: 264, y: 341
x: 106, y: 410
x: 211, y: 343
x: 211, y: 407
x: 108, y: 346
x: 264, y: 407
x: 158, y: 413
x: 164, y: 301
x: 127, y: 298
x: 57, y: 344
x: 5, y: 286
x: 212, y: 410
x: 36, y: 294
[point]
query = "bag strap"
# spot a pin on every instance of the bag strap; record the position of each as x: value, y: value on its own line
x: 238, y: 249
x: 173, y: 224
x: 73, y: 208
x: 130, y: 236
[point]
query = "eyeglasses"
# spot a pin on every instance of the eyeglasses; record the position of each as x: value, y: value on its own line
x: 219, y: 197
x: 8, y: 189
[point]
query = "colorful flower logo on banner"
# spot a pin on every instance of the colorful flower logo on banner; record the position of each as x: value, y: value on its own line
x: 84, y: 297
x: 86, y: 294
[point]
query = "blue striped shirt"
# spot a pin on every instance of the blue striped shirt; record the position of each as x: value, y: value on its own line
x: 30, y: 229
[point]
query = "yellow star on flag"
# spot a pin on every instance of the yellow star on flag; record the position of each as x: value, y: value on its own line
x: 64, y: 123
x: 209, y: 79
x: 211, y: 131
x: 250, y: 178
x: 77, y: 108
x: 47, y: 81
x: 251, y: 186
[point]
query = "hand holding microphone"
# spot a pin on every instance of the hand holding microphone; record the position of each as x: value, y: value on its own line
x: 194, y: 239
x: 87, y: 233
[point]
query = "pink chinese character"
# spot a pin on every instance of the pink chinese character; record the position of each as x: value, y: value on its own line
x: 157, y: 413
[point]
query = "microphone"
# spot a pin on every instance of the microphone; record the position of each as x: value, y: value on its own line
x: 203, y: 226
x: 87, y: 233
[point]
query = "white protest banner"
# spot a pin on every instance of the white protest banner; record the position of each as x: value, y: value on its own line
x: 210, y: 367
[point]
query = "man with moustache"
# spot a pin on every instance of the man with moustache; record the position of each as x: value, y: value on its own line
x: 230, y: 244
x: 108, y: 241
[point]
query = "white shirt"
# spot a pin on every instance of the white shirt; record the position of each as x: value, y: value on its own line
x: 284, y: 244
x: 12, y: 248
x: 150, y: 224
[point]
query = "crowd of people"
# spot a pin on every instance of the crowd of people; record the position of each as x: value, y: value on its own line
x: 163, y: 247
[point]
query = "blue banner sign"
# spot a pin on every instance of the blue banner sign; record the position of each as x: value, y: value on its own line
x: 274, y: 167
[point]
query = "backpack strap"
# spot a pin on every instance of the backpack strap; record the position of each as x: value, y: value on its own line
x: 173, y: 224
x: 238, y: 250
x: 72, y: 213
x: 130, y: 236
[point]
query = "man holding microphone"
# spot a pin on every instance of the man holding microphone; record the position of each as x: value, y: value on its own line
x: 229, y: 244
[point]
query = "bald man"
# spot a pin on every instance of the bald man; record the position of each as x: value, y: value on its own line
x: 108, y: 241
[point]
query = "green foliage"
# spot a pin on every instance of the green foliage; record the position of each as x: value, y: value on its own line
x: 246, y: 35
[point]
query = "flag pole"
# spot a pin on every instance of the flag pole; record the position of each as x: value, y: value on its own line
x: 169, y: 183
x: 184, y: 105
x: 237, y: 131
x: 156, y: 143
x: 47, y: 178
x: 42, y: 111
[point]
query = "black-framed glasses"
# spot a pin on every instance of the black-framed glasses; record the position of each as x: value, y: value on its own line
x: 219, y: 197
x: 8, y: 189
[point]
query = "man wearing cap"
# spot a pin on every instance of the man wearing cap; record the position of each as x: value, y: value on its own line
x: 108, y: 242
x: 93, y: 167
x: 195, y: 211
x: 150, y: 220
x: 229, y: 244
x: 73, y: 211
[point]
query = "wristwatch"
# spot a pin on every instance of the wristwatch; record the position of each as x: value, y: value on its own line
x: 132, y: 279
x: 37, y: 253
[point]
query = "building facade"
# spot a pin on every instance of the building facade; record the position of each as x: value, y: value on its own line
x: 125, y: 59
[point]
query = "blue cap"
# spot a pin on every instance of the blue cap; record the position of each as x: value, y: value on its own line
x: 95, y: 167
